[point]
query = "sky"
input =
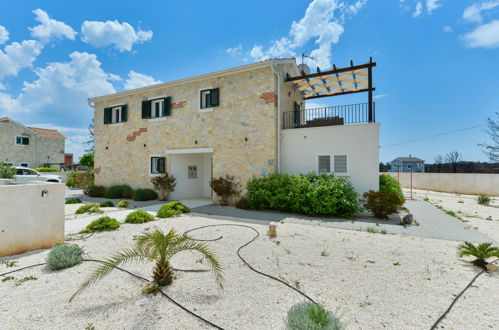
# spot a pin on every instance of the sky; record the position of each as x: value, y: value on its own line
x: 436, y: 77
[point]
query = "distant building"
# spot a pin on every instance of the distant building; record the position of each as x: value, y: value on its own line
x: 404, y: 164
x: 29, y: 146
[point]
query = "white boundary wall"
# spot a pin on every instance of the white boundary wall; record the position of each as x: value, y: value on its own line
x: 300, y: 148
x: 28, y: 220
x: 461, y: 183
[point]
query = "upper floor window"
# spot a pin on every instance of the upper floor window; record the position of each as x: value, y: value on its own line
x: 117, y: 114
x: 22, y: 140
x: 157, y: 108
x: 209, y: 98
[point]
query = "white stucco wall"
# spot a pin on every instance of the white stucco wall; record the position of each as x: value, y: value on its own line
x: 300, y: 148
x: 29, y: 221
x: 190, y: 188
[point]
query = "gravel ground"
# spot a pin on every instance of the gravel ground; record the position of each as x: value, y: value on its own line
x: 480, y: 217
x: 374, y: 281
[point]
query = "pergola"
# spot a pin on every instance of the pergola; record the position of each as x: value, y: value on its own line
x: 339, y: 81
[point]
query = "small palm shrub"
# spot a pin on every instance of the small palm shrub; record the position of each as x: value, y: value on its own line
x: 139, y: 216
x: 165, y: 184
x: 481, y: 252
x: 381, y: 203
x: 102, y: 224
x: 311, y: 316
x: 158, y: 247
x: 483, y: 200
x: 81, y: 180
x: 123, y: 204
x: 64, y: 256
x: 106, y: 204
x: 96, y: 191
x: 389, y: 183
x: 225, y: 187
x: 171, y: 209
x: 73, y: 200
x: 119, y: 191
x: 6, y: 171
x: 243, y: 203
x: 89, y: 208
x: 144, y: 195
x: 46, y: 169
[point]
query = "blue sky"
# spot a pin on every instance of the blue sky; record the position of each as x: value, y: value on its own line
x: 437, y: 59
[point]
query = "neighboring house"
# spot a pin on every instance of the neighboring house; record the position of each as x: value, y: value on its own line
x: 29, y: 146
x: 405, y: 164
x: 245, y: 121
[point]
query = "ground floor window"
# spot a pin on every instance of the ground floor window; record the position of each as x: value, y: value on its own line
x: 158, y: 165
x: 24, y: 165
x: 338, y: 164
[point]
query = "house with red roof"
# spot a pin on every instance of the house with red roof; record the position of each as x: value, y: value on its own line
x: 28, y: 146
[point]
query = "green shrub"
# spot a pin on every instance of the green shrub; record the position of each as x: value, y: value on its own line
x: 171, y: 209
x: 243, y: 203
x: 389, y: 183
x: 311, y: 316
x: 311, y: 194
x: 96, y: 191
x: 64, y: 256
x: 165, y: 184
x: 382, y: 203
x: 73, y: 201
x: 139, y: 216
x: 106, y: 204
x: 123, y: 204
x: 6, y: 171
x: 119, y: 191
x: 89, y: 208
x: 102, y: 224
x: 483, y: 200
x: 81, y: 180
x: 46, y: 169
x: 144, y: 195
x: 225, y: 187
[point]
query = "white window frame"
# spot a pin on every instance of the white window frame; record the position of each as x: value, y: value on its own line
x: 348, y: 164
x: 149, y: 165
x: 113, y: 117
x: 20, y: 144
x: 153, y: 108
x: 201, y: 109
x: 330, y: 162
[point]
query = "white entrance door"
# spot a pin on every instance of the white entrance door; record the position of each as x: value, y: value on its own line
x: 193, y: 174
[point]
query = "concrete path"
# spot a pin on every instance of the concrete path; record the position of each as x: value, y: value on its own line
x: 433, y: 223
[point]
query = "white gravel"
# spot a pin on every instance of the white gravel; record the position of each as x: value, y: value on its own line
x: 374, y: 281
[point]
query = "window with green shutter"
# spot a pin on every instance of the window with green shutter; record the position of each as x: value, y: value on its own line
x: 158, y: 165
x: 209, y: 98
x: 107, y: 115
x: 116, y: 114
x: 157, y: 108
x: 146, y: 109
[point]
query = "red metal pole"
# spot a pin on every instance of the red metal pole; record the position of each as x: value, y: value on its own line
x: 411, y: 182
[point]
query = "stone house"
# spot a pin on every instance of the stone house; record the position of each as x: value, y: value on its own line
x: 29, y: 146
x: 245, y: 121
x: 405, y: 164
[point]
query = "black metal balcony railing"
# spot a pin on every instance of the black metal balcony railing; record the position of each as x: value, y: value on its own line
x: 329, y: 116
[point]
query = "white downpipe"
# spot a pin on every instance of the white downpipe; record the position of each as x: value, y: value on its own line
x: 278, y: 121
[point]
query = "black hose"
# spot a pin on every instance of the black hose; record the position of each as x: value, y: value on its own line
x: 434, y: 326
x: 243, y: 260
x: 80, y: 238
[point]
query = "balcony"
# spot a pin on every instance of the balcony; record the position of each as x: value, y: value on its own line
x: 330, y: 116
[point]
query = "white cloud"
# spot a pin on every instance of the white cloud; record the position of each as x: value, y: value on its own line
x: 137, y: 80
x: 50, y: 29
x: 321, y: 23
x: 418, y: 10
x: 313, y: 105
x: 2, y: 87
x: 16, y: 56
x: 235, y: 51
x: 121, y: 36
x: 431, y: 5
x: 4, y: 34
x: 448, y: 29
x: 486, y: 36
x: 61, y: 90
x: 473, y: 13
x: 379, y: 96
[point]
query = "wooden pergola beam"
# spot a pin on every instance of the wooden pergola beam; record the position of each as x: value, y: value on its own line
x: 335, y: 71
x: 342, y: 93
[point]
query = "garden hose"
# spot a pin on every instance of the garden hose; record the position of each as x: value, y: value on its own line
x: 80, y: 238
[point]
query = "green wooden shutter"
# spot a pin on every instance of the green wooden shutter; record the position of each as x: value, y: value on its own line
x: 161, y: 165
x: 124, y: 113
x: 215, y: 97
x: 297, y: 114
x: 146, y: 109
x: 167, y: 106
x: 107, y: 115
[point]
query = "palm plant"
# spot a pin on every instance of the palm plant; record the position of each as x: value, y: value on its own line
x: 481, y: 251
x: 160, y: 248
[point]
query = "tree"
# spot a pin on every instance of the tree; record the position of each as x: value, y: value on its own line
x: 453, y: 158
x: 90, y: 142
x: 165, y: 184
x: 492, y: 149
x: 6, y: 171
x: 160, y: 248
x: 87, y: 160
x: 438, y: 161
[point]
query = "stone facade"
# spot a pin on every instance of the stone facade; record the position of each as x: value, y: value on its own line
x: 41, y: 148
x: 242, y: 130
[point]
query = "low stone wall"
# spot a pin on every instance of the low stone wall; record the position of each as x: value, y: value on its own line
x: 31, y: 217
x: 461, y: 183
